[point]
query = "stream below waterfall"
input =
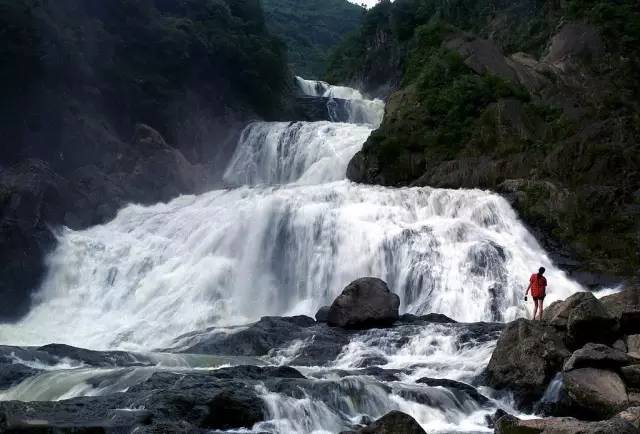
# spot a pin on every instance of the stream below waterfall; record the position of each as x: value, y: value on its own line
x: 287, y: 235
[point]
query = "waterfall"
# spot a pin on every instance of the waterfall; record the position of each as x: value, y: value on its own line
x: 285, y: 240
x: 287, y: 235
x: 359, y: 109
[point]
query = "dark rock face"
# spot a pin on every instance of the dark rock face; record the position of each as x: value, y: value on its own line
x: 269, y: 333
x: 394, y: 422
x: 597, y: 356
x: 456, y: 386
x: 365, y: 302
x: 430, y: 317
x: 323, y: 314
x: 526, y: 357
x: 186, y: 402
x: 584, y: 318
x: 595, y: 393
x: 631, y: 375
x: 625, y: 306
x: 626, y: 422
x: 318, y: 108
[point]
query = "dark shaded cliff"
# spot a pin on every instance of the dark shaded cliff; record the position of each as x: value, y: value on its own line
x: 110, y: 102
x: 535, y: 99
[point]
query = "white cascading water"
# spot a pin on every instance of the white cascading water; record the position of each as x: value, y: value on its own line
x: 360, y: 110
x: 286, y: 239
x: 231, y: 256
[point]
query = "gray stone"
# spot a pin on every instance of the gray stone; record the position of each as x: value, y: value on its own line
x: 323, y: 314
x: 597, y: 356
x: 631, y: 375
x: 527, y: 355
x: 633, y: 345
x: 625, y: 307
x: 394, y: 422
x: 596, y: 392
x: 364, y: 303
x: 625, y: 422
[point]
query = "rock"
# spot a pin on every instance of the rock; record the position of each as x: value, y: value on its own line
x: 575, y: 41
x: 364, y: 303
x: 597, y: 356
x: 626, y: 422
x: 270, y: 335
x: 631, y: 375
x: 595, y: 393
x: 633, y: 345
x: 437, y: 318
x: 456, y: 386
x: 13, y: 373
x: 620, y: 345
x: 495, y: 417
x: 589, y: 321
x: 323, y: 314
x: 394, y: 422
x: 527, y: 355
x: 625, y: 307
x: 229, y: 409
x: 557, y: 313
x: 430, y: 317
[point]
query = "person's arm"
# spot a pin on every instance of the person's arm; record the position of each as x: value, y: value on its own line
x: 528, y: 289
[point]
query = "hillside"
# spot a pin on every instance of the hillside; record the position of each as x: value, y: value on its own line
x: 310, y: 29
x: 537, y: 100
x: 106, y: 103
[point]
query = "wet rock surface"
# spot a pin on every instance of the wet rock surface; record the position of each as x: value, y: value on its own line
x: 364, y: 303
x: 626, y: 422
x: 391, y: 423
x: 527, y: 356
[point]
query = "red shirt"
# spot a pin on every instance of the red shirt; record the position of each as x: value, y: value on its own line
x: 538, y: 285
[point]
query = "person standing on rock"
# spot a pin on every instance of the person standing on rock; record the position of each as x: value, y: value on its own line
x: 538, y: 288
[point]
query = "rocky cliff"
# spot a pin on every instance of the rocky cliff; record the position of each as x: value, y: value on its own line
x: 106, y: 103
x: 536, y: 100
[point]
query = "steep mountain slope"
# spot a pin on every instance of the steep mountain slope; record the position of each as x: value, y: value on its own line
x: 537, y: 100
x: 311, y: 28
x: 79, y: 78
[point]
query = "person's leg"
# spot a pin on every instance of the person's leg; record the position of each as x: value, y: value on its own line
x: 541, y: 308
x: 535, y: 309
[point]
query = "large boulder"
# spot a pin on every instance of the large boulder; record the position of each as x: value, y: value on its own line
x: 322, y: 315
x: 631, y: 376
x: 366, y: 302
x: 595, y: 393
x: 589, y: 321
x: 597, y: 356
x: 626, y: 422
x: 633, y: 345
x: 527, y: 355
x: 394, y: 422
x: 625, y: 307
x: 461, y: 390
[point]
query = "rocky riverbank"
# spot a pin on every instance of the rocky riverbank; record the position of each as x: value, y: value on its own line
x: 274, y: 363
x: 582, y: 361
x: 578, y: 369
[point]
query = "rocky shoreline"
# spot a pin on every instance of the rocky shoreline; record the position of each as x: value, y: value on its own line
x: 579, y: 368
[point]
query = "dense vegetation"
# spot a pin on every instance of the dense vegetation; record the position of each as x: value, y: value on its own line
x: 133, y: 61
x: 563, y: 146
x: 311, y: 28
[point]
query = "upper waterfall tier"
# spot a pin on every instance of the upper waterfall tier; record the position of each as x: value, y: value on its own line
x: 359, y: 110
x: 303, y: 152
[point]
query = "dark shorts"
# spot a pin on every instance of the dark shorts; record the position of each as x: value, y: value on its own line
x: 539, y: 298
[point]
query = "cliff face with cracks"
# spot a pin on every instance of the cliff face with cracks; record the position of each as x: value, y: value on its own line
x: 536, y: 100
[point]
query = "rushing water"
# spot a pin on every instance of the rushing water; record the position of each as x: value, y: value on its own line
x: 284, y: 239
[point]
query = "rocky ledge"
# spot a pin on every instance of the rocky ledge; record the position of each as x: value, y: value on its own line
x: 582, y: 361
